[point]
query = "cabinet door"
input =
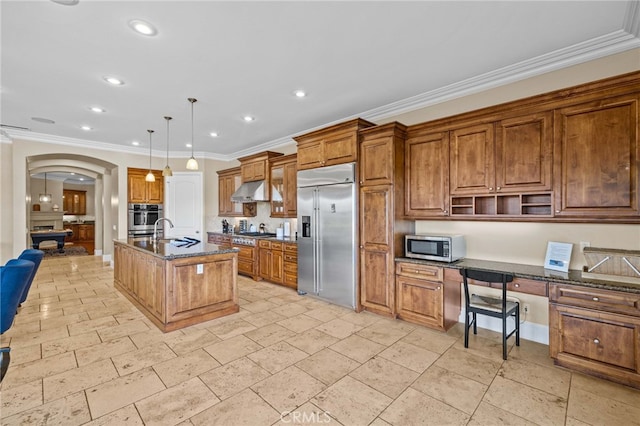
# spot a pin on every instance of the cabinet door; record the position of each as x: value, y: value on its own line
x: 376, y: 161
x: 427, y: 175
x: 340, y: 149
x: 277, y: 266
x: 310, y: 155
x: 524, y: 153
x: 596, y: 158
x: 290, y: 190
x: 67, y: 202
x: 472, y: 159
x: 420, y: 301
x: 597, y: 341
x: 376, y: 249
x: 137, y: 187
x: 278, y: 193
x: 155, y: 190
x: 264, y: 263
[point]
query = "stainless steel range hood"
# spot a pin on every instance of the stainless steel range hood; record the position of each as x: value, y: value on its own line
x: 250, y: 192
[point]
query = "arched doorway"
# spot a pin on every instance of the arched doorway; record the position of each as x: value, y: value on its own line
x: 105, y: 197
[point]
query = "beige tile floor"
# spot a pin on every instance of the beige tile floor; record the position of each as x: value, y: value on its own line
x: 82, y: 354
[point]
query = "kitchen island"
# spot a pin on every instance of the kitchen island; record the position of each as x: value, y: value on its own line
x: 177, y: 286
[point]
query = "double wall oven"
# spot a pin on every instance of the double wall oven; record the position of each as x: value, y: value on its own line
x: 142, y: 218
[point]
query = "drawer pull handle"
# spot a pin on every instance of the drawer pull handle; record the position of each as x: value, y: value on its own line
x: 517, y: 285
x: 595, y: 299
x: 596, y: 341
x: 438, y: 288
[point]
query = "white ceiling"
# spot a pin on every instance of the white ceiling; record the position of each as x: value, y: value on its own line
x: 355, y: 59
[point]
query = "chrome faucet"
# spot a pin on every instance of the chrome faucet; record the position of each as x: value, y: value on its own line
x: 155, y: 227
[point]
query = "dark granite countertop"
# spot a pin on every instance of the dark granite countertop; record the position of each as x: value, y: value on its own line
x: 165, y: 250
x: 533, y: 272
x: 270, y: 238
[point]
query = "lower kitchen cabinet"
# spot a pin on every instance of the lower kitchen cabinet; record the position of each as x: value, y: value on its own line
x: 290, y: 251
x: 596, y: 331
x: 424, y: 297
x: 271, y: 261
x: 247, y: 261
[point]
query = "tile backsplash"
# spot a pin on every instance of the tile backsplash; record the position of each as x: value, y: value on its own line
x: 214, y: 224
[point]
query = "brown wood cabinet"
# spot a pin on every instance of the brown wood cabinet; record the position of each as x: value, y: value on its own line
x: 229, y: 180
x: 82, y: 235
x: 424, y: 297
x: 518, y: 285
x: 219, y: 238
x: 74, y: 202
x: 141, y: 191
x: 256, y: 167
x: 284, y: 191
x: 380, y: 198
x: 271, y: 261
x: 290, y: 273
x: 427, y: 175
x: 596, y: 331
x: 597, y: 158
x: 172, y: 293
x: 332, y: 145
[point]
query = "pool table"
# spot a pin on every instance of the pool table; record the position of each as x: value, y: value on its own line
x: 57, y: 235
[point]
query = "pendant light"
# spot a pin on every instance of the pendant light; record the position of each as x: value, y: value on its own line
x: 167, y: 170
x: 150, y: 177
x: 192, y: 164
x: 46, y: 197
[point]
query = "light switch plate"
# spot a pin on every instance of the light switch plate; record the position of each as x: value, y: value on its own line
x: 199, y: 268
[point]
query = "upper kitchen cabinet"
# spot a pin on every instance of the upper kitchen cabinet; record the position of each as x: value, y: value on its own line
x: 229, y: 181
x: 332, y: 145
x: 284, y: 192
x: 256, y: 167
x: 141, y: 191
x: 597, y: 155
x: 426, y: 174
x: 511, y: 155
x: 74, y: 202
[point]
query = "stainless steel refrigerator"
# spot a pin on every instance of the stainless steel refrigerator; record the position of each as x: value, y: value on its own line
x: 327, y: 233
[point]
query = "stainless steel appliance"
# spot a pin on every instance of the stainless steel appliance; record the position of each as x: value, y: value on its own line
x: 327, y: 233
x: 142, y: 217
x: 443, y: 248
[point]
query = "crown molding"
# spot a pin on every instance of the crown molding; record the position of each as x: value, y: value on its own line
x: 610, y: 44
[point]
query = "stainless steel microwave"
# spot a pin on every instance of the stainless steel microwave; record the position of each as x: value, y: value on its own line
x: 443, y: 248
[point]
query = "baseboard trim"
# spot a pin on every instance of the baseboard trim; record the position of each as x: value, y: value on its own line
x: 528, y: 330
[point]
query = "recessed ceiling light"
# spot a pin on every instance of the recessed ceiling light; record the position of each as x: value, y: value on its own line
x: 97, y: 109
x: 87, y: 128
x: 72, y: 173
x: 188, y: 145
x: 135, y: 143
x: 66, y: 2
x: 143, y: 27
x: 113, y: 80
x: 213, y: 134
x: 300, y: 93
x: 43, y: 120
x: 248, y: 118
x: 81, y: 178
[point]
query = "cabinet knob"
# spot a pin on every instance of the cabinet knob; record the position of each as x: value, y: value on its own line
x: 499, y: 188
x: 446, y: 211
x: 595, y: 299
x: 516, y: 285
x: 596, y: 341
x: 438, y: 288
x: 361, y: 246
x: 557, y: 211
x: 491, y: 188
x: 417, y: 272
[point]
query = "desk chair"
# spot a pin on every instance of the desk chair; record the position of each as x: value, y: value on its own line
x: 497, y: 307
x: 36, y: 257
x: 13, y: 277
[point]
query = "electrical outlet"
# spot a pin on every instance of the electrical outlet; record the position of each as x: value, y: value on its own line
x: 584, y: 244
x: 526, y: 308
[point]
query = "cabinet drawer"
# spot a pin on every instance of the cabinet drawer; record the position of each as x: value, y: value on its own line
x: 291, y: 280
x: 245, y: 267
x: 518, y: 285
x: 290, y: 267
x: 264, y: 244
x: 602, y: 300
x: 276, y: 246
x: 291, y: 248
x: 602, y: 337
x: 245, y: 252
x: 290, y: 258
x: 415, y: 270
